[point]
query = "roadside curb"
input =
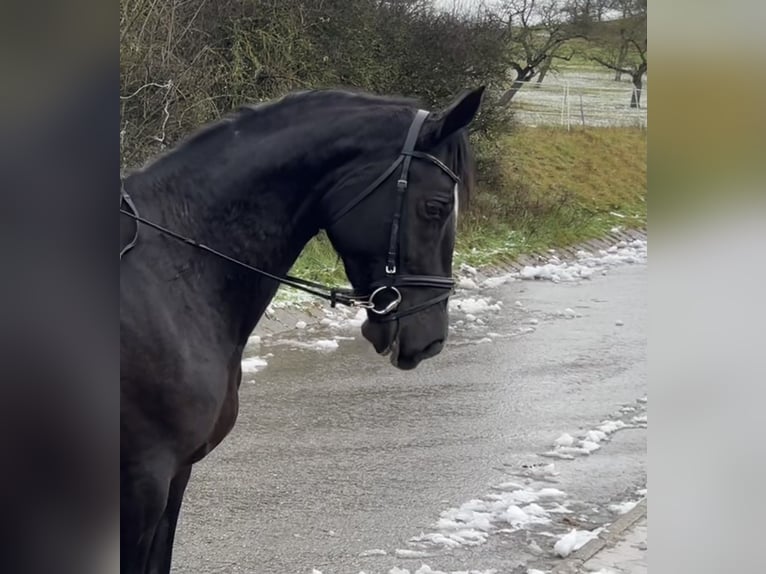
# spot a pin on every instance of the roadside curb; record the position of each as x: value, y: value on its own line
x: 569, y: 253
x: 611, y: 536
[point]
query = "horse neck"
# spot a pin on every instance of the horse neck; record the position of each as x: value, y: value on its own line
x: 246, y: 209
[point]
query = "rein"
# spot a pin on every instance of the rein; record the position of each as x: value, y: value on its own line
x: 335, y: 295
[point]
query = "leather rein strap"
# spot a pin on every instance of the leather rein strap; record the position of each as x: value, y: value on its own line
x: 391, y: 280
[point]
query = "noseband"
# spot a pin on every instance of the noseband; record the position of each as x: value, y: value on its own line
x: 385, y: 288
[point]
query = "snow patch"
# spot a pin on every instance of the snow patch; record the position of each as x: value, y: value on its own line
x: 540, y: 470
x: 611, y: 427
x: 574, y: 540
x: 325, y: 344
x: 358, y: 319
x: 564, y: 440
x: 426, y: 569
x: 494, y: 282
x: 557, y: 454
x: 253, y: 364
x: 511, y: 505
x: 551, y: 493
x: 343, y: 318
x: 568, y: 447
x: 595, y: 436
x: 467, y: 283
x: 624, y: 507
x: 586, y: 263
x: 465, y: 268
x: 590, y: 446
x: 373, y: 552
x: 474, y: 305
x: 315, y: 345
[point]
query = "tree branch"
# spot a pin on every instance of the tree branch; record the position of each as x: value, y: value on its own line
x: 611, y: 66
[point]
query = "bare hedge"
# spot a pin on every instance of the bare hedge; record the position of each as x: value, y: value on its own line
x: 187, y: 62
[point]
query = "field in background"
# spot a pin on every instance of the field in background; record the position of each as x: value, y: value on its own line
x: 577, y: 95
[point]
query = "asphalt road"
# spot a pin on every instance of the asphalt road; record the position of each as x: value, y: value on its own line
x: 336, y: 453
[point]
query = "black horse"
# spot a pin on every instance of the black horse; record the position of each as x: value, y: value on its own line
x: 378, y: 174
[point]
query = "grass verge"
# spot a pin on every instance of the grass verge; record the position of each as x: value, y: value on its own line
x: 539, y: 188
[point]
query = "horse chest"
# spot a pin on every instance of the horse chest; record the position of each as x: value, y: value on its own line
x: 224, y: 423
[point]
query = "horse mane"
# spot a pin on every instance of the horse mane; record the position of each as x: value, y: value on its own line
x: 251, y: 116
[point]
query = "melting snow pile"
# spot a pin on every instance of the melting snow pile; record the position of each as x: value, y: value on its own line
x: 467, y: 283
x: 514, y: 507
x: 587, y: 263
x: 324, y: 344
x: 566, y: 446
x: 253, y: 364
x: 373, y: 552
x: 574, y: 540
x: 624, y: 507
x: 315, y: 345
x: 426, y: 569
x: 540, y: 470
x: 556, y: 271
x: 474, y: 305
x: 493, y: 282
x: 343, y: 318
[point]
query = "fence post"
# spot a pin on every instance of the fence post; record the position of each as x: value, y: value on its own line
x: 563, y: 102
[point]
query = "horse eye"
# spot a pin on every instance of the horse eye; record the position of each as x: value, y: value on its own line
x: 434, y: 208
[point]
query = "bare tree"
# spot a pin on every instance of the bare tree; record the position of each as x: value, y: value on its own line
x: 625, y: 10
x: 538, y: 31
x: 623, y: 45
x: 636, y: 70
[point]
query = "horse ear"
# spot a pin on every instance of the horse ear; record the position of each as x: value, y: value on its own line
x: 457, y: 115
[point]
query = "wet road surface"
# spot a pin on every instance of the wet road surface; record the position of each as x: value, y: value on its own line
x: 336, y: 453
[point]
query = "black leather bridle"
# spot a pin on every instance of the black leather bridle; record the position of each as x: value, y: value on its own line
x: 385, y: 297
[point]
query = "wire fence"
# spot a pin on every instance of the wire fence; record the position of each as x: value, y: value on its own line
x: 581, y: 103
